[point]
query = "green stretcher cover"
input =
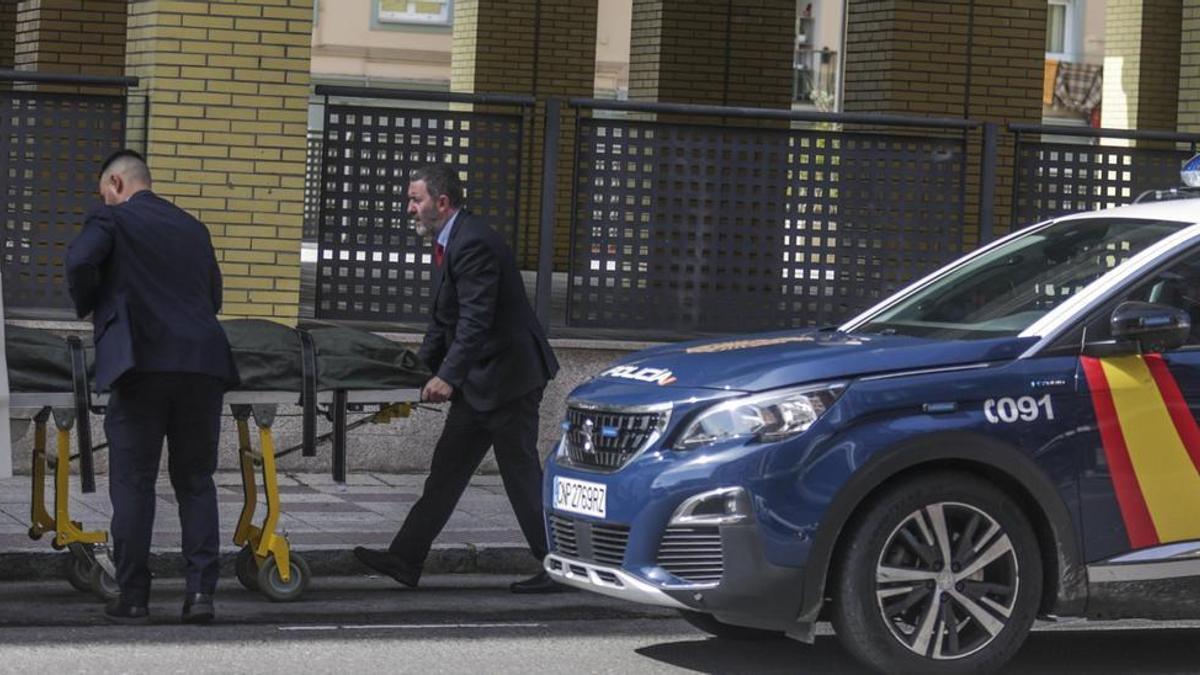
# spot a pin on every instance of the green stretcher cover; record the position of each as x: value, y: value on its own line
x: 268, y: 357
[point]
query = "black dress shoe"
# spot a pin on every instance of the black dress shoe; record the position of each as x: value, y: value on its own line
x: 389, y: 564
x: 121, y: 611
x: 538, y: 583
x: 198, y: 608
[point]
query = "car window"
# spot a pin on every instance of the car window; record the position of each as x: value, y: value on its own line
x: 1177, y: 284
x: 1004, y: 291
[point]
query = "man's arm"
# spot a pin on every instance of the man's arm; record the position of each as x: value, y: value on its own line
x: 216, y: 286
x: 85, y: 256
x: 433, y: 346
x: 477, y: 277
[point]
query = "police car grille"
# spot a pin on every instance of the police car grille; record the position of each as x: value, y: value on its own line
x: 692, y: 553
x: 603, y: 544
x: 562, y: 533
x: 608, y: 543
x: 608, y: 440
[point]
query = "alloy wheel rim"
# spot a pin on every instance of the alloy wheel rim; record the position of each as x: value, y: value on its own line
x: 946, y: 581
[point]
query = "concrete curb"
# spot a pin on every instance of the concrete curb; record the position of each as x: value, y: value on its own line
x: 502, y: 559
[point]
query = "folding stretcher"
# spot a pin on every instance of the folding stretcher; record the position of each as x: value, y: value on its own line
x: 342, y: 358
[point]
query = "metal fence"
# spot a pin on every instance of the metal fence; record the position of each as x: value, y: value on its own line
x: 1053, y: 178
x: 682, y: 219
x: 50, y: 146
x: 681, y: 226
x: 371, y: 266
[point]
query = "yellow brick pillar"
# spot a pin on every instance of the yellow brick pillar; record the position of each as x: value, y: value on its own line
x: 539, y: 47
x: 1189, y: 68
x: 982, y: 60
x: 61, y: 36
x: 8, y: 34
x: 228, y: 87
x: 1141, y: 64
x: 719, y: 52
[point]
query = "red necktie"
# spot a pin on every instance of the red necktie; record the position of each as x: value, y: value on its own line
x: 438, y: 253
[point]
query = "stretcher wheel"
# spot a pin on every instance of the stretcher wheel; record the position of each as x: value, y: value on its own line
x: 78, y: 572
x: 102, y: 584
x: 35, y: 533
x: 274, y: 588
x: 55, y: 545
x: 247, y: 568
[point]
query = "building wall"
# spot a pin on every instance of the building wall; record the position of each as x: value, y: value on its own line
x: 1189, y: 68
x: 613, y: 22
x: 228, y: 86
x: 1142, y: 64
x: 8, y: 33
x: 936, y: 58
x: 713, y: 52
x: 60, y: 36
x: 531, y: 47
x: 349, y: 44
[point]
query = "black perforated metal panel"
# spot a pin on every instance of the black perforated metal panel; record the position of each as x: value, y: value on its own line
x: 312, y: 185
x: 371, y: 265
x: 1059, y: 178
x: 50, y: 148
x: 698, y: 228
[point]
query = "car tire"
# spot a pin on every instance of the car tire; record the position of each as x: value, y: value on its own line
x: 898, y: 609
x: 709, y: 624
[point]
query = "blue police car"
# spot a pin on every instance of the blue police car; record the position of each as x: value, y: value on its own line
x: 1013, y: 436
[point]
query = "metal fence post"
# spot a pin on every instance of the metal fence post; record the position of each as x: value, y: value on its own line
x: 987, y: 178
x: 545, y: 270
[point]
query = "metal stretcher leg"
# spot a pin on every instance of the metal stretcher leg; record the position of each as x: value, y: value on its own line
x: 281, y: 575
x: 89, y: 566
x: 40, y: 520
x: 67, y: 531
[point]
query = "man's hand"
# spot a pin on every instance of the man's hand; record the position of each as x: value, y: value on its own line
x: 437, y: 390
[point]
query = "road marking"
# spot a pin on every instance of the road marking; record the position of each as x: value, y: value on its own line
x: 412, y: 626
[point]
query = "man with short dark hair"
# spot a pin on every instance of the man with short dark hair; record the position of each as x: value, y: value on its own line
x: 146, y: 272
x: 491, y: 361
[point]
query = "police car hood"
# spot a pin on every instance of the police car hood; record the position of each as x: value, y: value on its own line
x: 770, y: 360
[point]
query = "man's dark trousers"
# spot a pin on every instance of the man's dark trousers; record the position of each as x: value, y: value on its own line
x: 512, y: 429
x: 143, y: 409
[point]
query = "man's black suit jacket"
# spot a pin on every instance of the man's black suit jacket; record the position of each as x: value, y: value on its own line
x: 146, y: 271
x: 483, y: 338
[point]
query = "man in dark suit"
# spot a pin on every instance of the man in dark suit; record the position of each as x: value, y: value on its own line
x: 146, y: 272
x: 492, y: 362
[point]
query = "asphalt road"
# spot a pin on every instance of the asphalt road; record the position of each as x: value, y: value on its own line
x: 473, y: 625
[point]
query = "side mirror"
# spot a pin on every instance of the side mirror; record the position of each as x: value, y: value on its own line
x: 1150, y: 327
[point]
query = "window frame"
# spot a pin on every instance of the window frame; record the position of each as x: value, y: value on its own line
x: 1082, y: 329
x: 406, y: 19
x: 1071, y: 31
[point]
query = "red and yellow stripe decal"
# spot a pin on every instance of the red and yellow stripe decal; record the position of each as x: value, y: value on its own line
x: 1152, y: 444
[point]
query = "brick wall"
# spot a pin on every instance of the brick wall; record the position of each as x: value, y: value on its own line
x: 543, y: 47
x: 61, y: 36
x: 8, y: 33
x: 228, y: 87
x: 935, y: 58
x: 721, y: 52
x: 1142, y: 64
x: 1189, y: 68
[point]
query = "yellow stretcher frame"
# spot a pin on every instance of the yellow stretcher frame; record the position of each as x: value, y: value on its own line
x: 265, y: 561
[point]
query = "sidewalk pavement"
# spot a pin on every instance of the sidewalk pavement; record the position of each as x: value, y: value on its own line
x: 323, y: 522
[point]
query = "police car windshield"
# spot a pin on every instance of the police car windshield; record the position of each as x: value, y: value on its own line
x: 1004, y: 291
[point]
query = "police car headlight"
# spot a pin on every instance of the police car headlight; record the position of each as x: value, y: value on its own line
x: 768, y: 417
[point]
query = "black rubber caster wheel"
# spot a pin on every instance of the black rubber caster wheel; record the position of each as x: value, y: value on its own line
x: 274, y: 587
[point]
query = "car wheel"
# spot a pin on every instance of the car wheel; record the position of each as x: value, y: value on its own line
x: 940, y: 574
x: 709, y: 624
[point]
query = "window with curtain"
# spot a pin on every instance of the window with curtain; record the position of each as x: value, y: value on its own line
x: 1059, y: 27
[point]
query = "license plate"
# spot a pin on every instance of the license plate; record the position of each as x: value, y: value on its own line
x: 578, y: 496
